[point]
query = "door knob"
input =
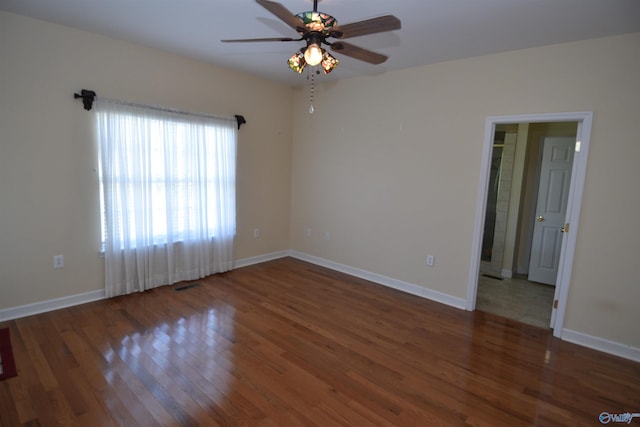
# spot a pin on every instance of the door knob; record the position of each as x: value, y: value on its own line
x: 540, y: 218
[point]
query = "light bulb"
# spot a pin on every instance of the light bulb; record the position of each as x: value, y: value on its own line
x: 313, y: 54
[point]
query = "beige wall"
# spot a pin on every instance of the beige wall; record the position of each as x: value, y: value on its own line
x: 389, y: 164
x: 48, y: 184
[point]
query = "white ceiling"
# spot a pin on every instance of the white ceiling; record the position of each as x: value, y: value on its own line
x: 432, y: 30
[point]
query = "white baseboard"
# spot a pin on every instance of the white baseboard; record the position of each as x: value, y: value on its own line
x: 579, y: 338
x: 383, y: 280
x: 601, y: 344
x: 71, y: 300
x: 68, y: 301
x: 50, y: 305
x: 261, y: 258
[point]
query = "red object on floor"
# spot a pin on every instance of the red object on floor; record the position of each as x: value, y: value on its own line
x: 6, y: 355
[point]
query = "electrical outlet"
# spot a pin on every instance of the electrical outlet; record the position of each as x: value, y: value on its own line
x: 58, y: 261
x: 327, y: 235
x: 256, y: 233
x: 430, y: 260
x: 308, y: 232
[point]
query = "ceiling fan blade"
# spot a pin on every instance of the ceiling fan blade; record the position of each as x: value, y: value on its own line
x: 368, y: 26
x: 358, y: 53
x: 272, y: 39
x: 284, y: 14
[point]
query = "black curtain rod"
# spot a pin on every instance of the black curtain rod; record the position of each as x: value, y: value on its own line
x: 88, y: 96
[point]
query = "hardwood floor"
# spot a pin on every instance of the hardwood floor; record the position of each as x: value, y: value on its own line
x: 288, y: 343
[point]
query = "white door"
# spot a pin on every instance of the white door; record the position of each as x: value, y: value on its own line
x: 551, y: 208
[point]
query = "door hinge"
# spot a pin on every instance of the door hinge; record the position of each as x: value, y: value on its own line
x: 565, y: 229
x: 555, y: 304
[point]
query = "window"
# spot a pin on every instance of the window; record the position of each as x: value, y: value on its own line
x: 167, y: 183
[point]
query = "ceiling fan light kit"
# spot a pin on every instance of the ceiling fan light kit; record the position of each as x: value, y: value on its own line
x: 314, y: 54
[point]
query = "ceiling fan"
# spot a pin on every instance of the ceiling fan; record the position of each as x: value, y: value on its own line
x: 316, y: 27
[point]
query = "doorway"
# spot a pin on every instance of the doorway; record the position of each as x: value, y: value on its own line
x: 529, y: 178
x: 508, y: 255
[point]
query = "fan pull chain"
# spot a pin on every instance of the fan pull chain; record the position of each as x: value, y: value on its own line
x: 311, y: 109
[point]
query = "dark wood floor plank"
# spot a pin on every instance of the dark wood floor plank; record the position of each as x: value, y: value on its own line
x: 8, y: 416
x: 288, y: 343
x: 19, y: 390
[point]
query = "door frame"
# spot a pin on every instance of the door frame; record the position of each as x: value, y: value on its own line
x: 578, y: 173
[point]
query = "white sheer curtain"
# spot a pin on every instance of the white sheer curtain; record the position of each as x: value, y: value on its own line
x: 168, y: 195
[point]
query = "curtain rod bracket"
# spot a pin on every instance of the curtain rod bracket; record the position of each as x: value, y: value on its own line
x: 88, y: 96
x: 241, y: 120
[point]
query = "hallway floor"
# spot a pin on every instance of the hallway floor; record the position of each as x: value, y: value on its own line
x: 516, y: 298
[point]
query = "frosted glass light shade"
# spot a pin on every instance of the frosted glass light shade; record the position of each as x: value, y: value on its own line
x: 313, y: 54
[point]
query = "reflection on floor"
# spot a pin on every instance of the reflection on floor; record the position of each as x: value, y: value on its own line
x: 516, y: 298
